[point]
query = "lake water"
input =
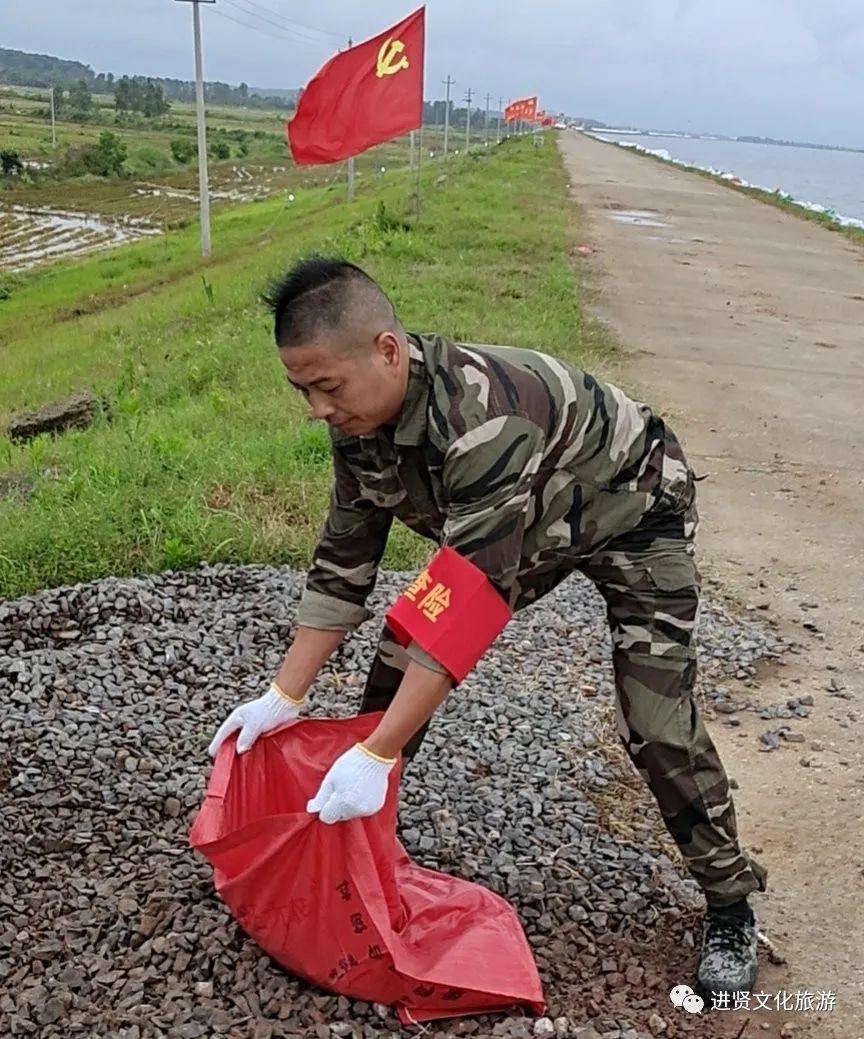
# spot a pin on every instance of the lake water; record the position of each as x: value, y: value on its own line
x: 833, y: 179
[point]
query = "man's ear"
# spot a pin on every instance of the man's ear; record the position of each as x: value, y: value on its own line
x: 387, y: 344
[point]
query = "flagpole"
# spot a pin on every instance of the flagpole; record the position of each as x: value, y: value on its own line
x: 419, y: 138
x: 411, y: 153
x: 419, y: 164
x: 350, y: 163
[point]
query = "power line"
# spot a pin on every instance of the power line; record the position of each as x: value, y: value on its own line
x: 269, y: 21
x: 284, y: 24
x: 293, y: 21
x: 257, y: 28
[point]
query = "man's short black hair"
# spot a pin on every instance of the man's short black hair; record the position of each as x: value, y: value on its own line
x: 323, y: 294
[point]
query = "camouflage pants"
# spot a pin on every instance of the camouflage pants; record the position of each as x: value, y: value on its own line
x: 651, y: 586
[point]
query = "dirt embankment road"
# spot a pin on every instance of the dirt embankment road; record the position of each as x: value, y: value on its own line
x: 744, y: 325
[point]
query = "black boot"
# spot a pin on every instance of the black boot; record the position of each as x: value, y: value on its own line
x: 727, y: 962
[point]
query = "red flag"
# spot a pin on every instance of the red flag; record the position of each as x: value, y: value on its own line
x: 363, y: 96
x: 525, y: 109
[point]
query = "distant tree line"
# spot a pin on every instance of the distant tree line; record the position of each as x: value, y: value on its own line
x: 796, y: 144
x: 19, y: 68
x: 217, y: 93
x: 137, y: 94
x: 434, y: 112
x: 140, y: 94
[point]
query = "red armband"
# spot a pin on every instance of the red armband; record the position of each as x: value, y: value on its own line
x: 452, y: 611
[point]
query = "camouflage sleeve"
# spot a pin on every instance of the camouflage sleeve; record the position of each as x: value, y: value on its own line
x: 345, y: 564
x: 488, y: 475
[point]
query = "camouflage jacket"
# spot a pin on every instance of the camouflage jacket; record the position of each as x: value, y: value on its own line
x: 522, y: 463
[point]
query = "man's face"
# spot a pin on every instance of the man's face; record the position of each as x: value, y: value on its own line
x: 356, y: 392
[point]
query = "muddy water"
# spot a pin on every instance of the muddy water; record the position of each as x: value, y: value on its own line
x: 32, y: 236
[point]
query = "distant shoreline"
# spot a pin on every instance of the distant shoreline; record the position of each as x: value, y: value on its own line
x: 827, y: 216
x: 672, y: 135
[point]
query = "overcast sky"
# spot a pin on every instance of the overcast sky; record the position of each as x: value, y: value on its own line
x: 779, y: 68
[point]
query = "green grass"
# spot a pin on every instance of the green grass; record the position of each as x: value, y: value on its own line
x: 24, y: 130
x: 150, y: 163
x: 207, y: 455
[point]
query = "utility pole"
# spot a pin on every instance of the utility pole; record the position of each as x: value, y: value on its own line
x: 53, y: 128
x: 486, y: 123
x: 500, y: 110
x: 203, y: 184
x: 450, y: 83
x: 468, y: 121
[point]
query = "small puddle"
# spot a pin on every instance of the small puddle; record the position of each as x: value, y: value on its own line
x: 638, y: 217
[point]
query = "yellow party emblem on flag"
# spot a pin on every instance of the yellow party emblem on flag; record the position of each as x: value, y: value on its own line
x: 387, y: 55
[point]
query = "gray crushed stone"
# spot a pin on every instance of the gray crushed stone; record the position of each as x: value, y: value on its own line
x: 109, y: 925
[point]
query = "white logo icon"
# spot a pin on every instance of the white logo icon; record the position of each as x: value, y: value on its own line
x: 684, y: 997
x: 693, y: 1004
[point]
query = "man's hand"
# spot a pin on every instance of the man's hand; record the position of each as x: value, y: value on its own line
x: 272, y: 709
x: 354, y: 787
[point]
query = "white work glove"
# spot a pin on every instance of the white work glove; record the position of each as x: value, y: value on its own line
x: 272, y: 709
x: 354, y: 787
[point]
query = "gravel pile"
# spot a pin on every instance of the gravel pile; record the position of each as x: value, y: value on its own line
x: 109, y: 926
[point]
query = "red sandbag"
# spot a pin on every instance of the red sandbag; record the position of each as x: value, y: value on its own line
x: 342, y: 905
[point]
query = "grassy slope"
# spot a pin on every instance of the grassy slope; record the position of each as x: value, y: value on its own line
x: 208, y: 455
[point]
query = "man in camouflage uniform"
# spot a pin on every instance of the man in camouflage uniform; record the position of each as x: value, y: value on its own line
x: 530, y: 469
